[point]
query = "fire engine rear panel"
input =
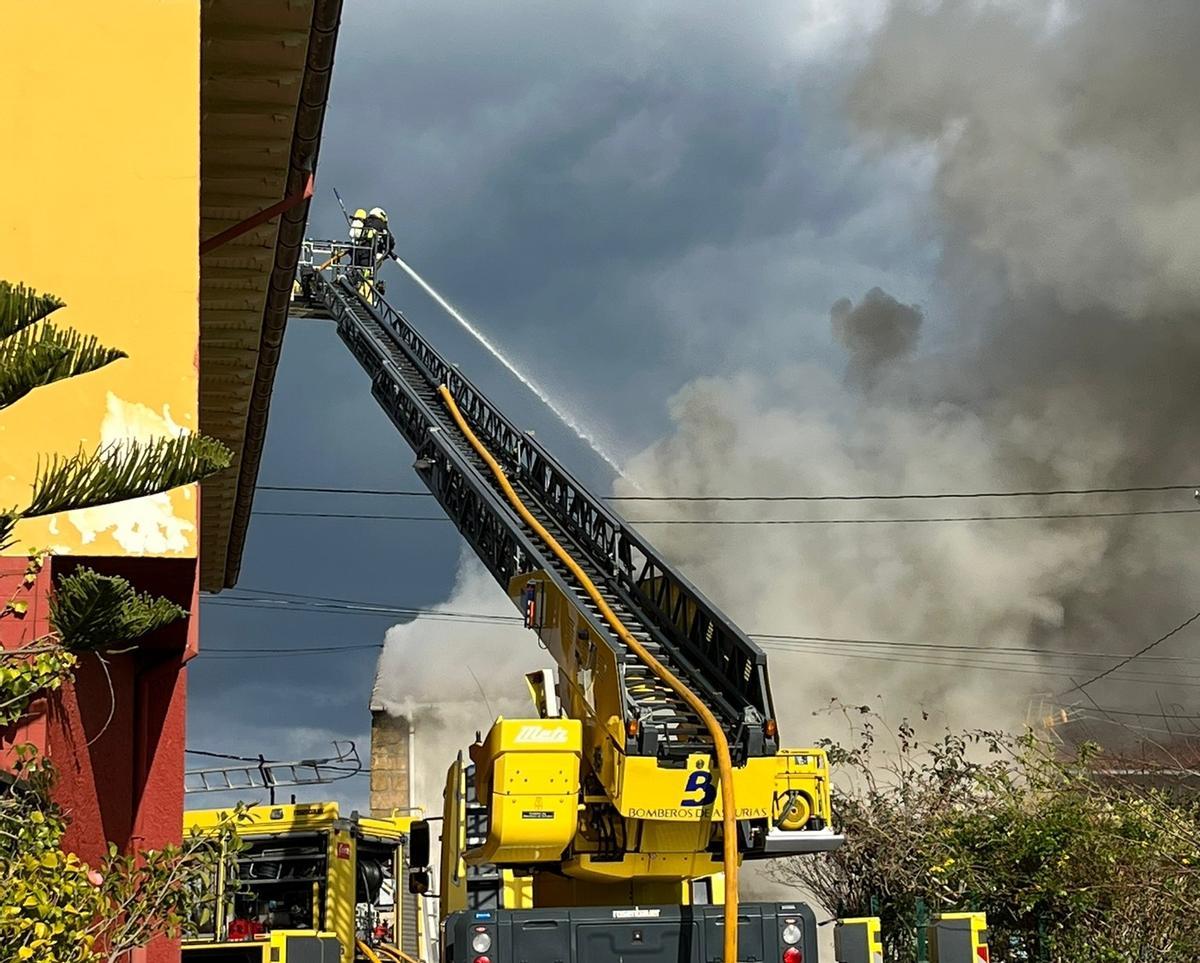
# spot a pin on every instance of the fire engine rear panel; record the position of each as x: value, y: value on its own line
x: 651, y: 934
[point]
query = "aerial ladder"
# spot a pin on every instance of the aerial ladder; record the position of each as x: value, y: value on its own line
x: 654, y: 764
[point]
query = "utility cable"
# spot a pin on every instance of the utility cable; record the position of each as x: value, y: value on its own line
x: 393, y: 518
x: 297, y: 601
x: 962, y: 663
x: 936, y: 662
x: 307, y: 597
x: 297, y: 651
x: 1129, y: 658
x: 977, y: 659
x: 359, y: 609
x: 908, y: 496
x: 1161, y: 714
x: 910, y: 521
x: 720, y: 744
x: 291, y: 654
x: 944, y: 646
x: 226, y: 755
x: 777, y: 521
x: 313, y: 489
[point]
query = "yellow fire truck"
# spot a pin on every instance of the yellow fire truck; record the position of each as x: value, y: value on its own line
x: 653, y: 761
x: 310, y: 885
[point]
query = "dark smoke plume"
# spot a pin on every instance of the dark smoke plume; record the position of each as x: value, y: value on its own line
x: 1066, y: 198
x: 875, y: 331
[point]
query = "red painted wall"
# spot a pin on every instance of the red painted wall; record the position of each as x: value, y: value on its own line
x: 116, y: 735
x: 15, y: 632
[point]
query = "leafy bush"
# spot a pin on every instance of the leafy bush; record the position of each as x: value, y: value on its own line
x: 1067, y: 866
x: 53, y: 907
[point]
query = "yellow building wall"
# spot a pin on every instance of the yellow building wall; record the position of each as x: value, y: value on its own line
x: 99, y: 204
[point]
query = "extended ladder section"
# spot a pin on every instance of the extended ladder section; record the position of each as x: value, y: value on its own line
x: 681, y: 628
x: 410, y: 916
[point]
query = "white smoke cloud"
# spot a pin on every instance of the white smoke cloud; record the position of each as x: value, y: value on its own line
x: 802, y: 430
x: 452, y: 676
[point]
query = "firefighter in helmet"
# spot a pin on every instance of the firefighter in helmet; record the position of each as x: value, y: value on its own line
x: 378, y: 236
x: 358, y: 230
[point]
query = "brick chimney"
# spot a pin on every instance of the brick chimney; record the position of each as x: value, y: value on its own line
x: 391, y: 757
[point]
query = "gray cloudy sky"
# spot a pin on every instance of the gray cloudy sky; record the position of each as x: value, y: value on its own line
x: 658, y: 211
x: 625, y: 197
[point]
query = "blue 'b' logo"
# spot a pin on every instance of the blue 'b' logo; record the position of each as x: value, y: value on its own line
x: 699, y: 781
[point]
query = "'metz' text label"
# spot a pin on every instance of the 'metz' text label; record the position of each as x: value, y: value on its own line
x: 541, y: 735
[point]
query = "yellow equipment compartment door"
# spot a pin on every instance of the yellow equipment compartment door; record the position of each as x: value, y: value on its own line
x: 527, y: 773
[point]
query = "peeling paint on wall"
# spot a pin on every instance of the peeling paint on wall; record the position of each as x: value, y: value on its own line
x: 148, y: 525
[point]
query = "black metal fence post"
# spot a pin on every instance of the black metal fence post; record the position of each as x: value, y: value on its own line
x: 922, y: 922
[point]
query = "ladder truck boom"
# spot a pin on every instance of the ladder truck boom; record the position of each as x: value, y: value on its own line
x: 664, y: 764
x: 725, y: 666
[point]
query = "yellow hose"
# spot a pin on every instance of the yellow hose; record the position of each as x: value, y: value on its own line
x: 395, y: 953
x: 368, y: 952
x: 720, y: 743
x: 328, y: 264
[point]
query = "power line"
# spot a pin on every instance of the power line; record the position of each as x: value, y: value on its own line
x: 909, y: 521
x: 982, y: 659
x: 312, y: 489
x: 366, y: 609
x: 225, y: 755
x: 950, y: 662
x: 393, y: 518
x: 1088, y: 717
x: 943, y: 663
x: 980, y: 662
x: 348, y: 605
x: 294, y: 606
x: 1015, y: 668
x: 908, y: 496
x: 302, y: 601
x: 942, y: 655
x: 319, y: 607
x: 1161, y: 714
x: 336, y: 600
x: 287, y: 606
x: 777, y: 521
x: 322, y: 649
x: 1129, y: 658
x: 991, y: 651
x: 272, y: 656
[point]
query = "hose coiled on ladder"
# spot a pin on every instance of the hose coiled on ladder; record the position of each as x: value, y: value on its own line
x: 720, y: 743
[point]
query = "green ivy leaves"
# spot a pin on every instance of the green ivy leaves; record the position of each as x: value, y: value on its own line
x: 24, y: 678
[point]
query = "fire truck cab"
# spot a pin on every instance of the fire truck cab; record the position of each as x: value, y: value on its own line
x: 309, y: 885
